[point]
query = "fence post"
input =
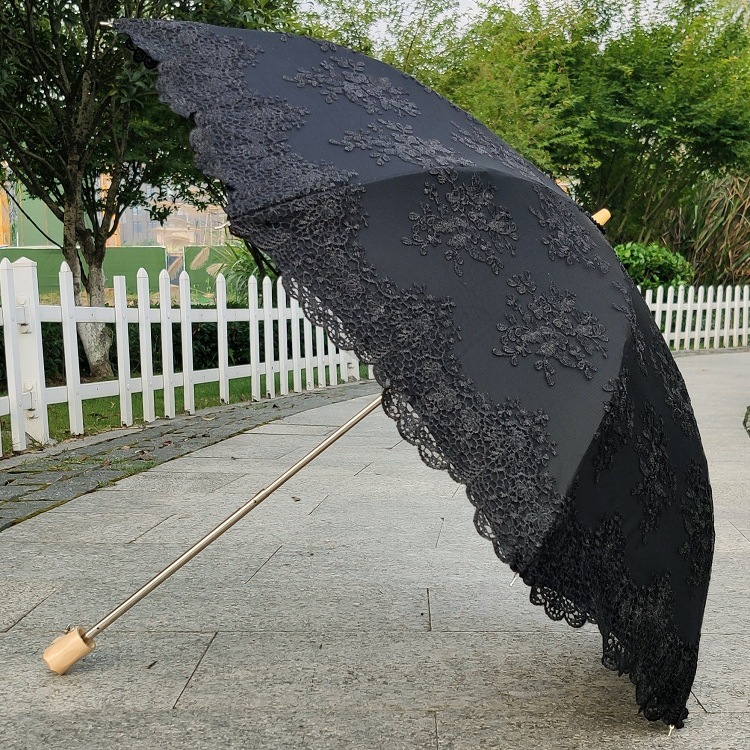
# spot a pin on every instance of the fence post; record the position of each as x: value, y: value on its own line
x: 10, y: 337
x: 30, y: 350
x: 736, y: 316
x: 719, y: 314
x: 186, y: 338
x: 320, y: 350
x: 223, y: 337
x: 268, y: 337
x: 309, y: 370
x: 283, y: 339
x: 699, y: 318
x: 167, y: 349
x: 70, y: 346
x: 709, y: 318
x: 254, y: 323
x: 678, y: 317
x: 123, y: 351
x: 296, y: 345
x: 144, y: 339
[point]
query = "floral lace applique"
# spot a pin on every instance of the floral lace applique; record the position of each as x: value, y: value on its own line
x: 345, y: 76
x: 550, y: 326
x: 486, y: 144
x: 568, y: 239
x: 465, y: 218
x: 639, y: 339
x: 675, y: 392
x: 658, y: 484
x: 384, y: 139
x: 617, y: 427
x: 697, y: 510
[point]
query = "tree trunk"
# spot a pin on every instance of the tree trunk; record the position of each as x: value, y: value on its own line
x: 95, y: 337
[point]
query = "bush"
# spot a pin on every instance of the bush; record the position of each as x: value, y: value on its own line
x: 652, y: 266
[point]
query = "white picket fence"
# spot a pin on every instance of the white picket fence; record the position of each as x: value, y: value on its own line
x: 303, y: 355
x: 692, y: 318
x: 702, y: 317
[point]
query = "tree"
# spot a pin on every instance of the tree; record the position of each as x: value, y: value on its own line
x: 666, y: 109
x: 83, y: 131
x: 412, y: 35
x: 635, y: 105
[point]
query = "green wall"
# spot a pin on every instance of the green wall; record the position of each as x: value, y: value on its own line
x: 119, y: 261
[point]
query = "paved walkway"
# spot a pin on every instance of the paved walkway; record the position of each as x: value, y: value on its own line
x: 357, y: 608
x: 32, y: 483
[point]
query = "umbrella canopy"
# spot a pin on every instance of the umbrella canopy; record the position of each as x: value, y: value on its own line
x: 512, y: 347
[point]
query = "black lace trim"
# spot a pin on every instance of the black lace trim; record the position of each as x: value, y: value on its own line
x: 597, y: 588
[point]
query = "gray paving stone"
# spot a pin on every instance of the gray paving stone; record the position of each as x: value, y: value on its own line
x: 19, y: 598
x: 589, y: 730
x: 12, y: 491
x: 133, y: 672
x: 178, y: 482
x: 19, y: 509
x: 98, y: 528
x: 408, y: 671
x: 304, y: 729
x: 722, y: 683
x: 185, y: 603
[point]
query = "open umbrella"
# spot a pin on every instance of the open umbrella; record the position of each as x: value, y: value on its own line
x: 512, y: 347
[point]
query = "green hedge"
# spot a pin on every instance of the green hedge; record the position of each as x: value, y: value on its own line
x: 652, y: 266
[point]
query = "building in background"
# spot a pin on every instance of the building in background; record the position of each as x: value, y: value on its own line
x: 33, y: 225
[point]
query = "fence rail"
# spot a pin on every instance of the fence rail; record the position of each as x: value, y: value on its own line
x: 282, y: 342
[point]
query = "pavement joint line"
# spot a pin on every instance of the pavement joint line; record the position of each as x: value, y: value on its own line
x: 319, y: 504
x: 27, y: 613
x: 440, y: 530
x: 263, y: 564
x: 429, y: 612
x: 437, y: 736
x: 142, y: 534
x: 697, y: 700
x: 363, y: 468
x: 192, y: 674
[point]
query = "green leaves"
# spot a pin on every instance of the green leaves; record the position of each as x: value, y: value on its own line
x: 651, y: 266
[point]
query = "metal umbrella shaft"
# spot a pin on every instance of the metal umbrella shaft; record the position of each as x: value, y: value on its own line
x: 66, y: 650
x: 227, y: 524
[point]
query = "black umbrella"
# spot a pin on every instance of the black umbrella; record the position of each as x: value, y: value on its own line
x: 512, y: 347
